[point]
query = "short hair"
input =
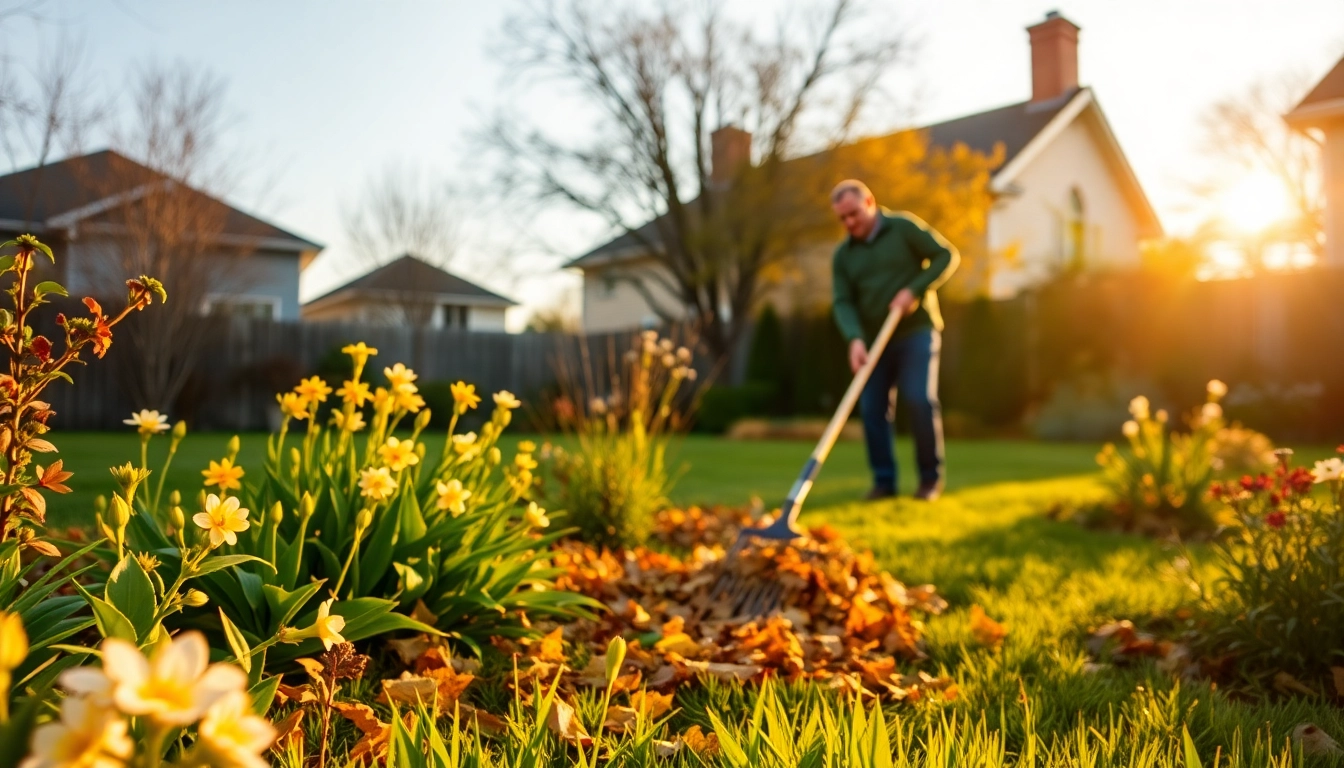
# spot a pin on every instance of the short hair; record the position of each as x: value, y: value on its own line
x: 850, y: 186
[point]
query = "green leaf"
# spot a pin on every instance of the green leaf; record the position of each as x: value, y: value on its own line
x: 237, y: 643
x: 48, y: 286
x: 284, y: 603
x: 220, y: 562
x: 1191, y: 754
x: 7, y: 262
x: 377, y: 556
x: 110, y: 621
x: 130, y: 591
x: 263, y: 695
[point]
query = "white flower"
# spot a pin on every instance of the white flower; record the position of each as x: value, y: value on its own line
x: 174, y: 687
x: 1130, y: 429
x: 149, y: 422
x: 86, y: 736
x: 1217, y: 389
x: 232, y: 736
x: 1330, y: 469
x: 1138, y: 407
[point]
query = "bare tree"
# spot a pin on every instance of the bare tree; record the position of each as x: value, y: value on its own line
x: 660, y: 82
x: 155, y: 213
x: 1247, y: 132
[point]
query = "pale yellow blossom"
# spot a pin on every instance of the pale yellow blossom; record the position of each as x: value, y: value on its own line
x: 452, y: 496
x: 224, y: 474
x: 175, y: 686
x: 399, y: 377
x: 86, y: 736
x: 1217, y: 389
x: 1328, y: 470
x: 313, y: 389
x: 464, y: 395
x: 231, y: 736
x: 293, y: 405
x: 1138, y: 407
x: 505, y: 399
x: 377, y: 483
x: 1130, y: 429
x: 352, y: 424
x: 465, y: 442
x: 329, y: 626
x: 536, y: 516
x: 398, y: 454
x: 355, y: 393
x: 148, y: 422
x: 223, y: 519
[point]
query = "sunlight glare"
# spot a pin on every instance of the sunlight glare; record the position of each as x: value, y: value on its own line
x: 1255, y: 203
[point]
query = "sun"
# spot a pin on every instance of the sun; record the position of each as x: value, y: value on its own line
x: 1255, y: 203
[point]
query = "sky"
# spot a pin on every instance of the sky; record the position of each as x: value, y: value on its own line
x: 322, y: 94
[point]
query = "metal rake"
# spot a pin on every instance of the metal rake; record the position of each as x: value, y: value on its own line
x: 752, y: 595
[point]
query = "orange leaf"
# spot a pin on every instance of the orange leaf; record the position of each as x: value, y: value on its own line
x: 652, y: 704
x: 564, y: 723
x: 550, y: 648
x: 985, y: 630
x: 700, y: 743
x: 1338, y: 673
x: 301, y: 694
x: 289, y: 730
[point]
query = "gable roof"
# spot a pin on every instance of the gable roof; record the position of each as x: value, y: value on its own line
x: 62, y: 194
x: 1014, y: 126
x: 1326, y: 100
x: 410, y: 275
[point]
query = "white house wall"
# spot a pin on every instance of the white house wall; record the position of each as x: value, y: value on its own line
x: 612, y: 303
x: 490, y: 319
x: 1035, y: 222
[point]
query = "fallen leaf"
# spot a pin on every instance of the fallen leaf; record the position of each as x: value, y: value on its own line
x: 701, y: 743
x: 663, y: 748
x: 376, y: 732
x: 289, y: 730
x: 619, y: 718
x: 564, y: 723
x: 410, y: 649
x: 654, y: 705
x: 410, y: 690
x: 313, y: 667
x: 1338, y: 673
x: 299, y: 694
x: 986, y: 631
x: 1286, y: 683
x: 550, y: 648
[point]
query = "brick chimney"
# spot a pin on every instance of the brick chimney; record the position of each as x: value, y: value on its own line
x: 1054, y: 57
x: 730, y: 149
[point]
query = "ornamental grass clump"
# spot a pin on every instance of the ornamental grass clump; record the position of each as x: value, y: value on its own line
x: 615, y: 479
x: 1276, y: 605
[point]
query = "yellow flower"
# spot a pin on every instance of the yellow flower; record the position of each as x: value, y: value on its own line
x: 1130, y: 429
x: 525, y: 461
x: 224, y: 474
x: 1217, y: 389
x: 527, y: 446
x: 149, y: 422
x: 1211, y: 412
x: 536, y: 516
x: 86, y: 736
x: 293, y: 405
x: 398, y: 454
x: 464, y: 395
x: 453, y: 497
x: 409, y: 400
x: 313, y: 389
x: 175, y: 686
x: 355, y: 392
x: 505, y: 399
x: 328, y: 627
x: 352, y: 424
x: 14, y: 641
x: 377, y: 483
x: 223, y: 519
x: 230, y: 735
x: 399, y: 377
x: 1138, y: 407
x: 361, y: 353
x: 464, y: 443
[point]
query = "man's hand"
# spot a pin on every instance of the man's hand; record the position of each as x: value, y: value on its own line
x: 858, y: 355
x: 905, y: 301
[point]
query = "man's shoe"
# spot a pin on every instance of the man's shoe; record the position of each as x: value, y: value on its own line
x: 929, y: 492
x: 878, y: 492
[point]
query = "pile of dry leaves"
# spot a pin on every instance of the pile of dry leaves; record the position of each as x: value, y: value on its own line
x: 842, y: 622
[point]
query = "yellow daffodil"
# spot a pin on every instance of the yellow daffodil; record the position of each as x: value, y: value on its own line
x: 224, y: 474
x: 399, y: 377
x: 1217, y: 389
x: 452, y: 496
x: 293, y: 405
x: 14, y: 642
x: 361, y: 353
x: 398, y: 454
x: 464, y: 443
x: 313, y: 389
x: 1138, y: 407
x: 328, y: 626
x: 377, y: 483
x: 409, y: 400
x: 536, y: 516
x: 230, y: 735
x: 355, y: 393
x: 86, y: 736
x: 464, y: 395
x: 527, y: 446
x: 148, y: 422
x: 384, y: 401
x: 175, y: 686
x: 1130, y: 429
x: 1211, y: 412
x: 222, y: 519
x: 520, y: 483
x: 505, y: 399
x: 352, y: 424
x: 525, y: 461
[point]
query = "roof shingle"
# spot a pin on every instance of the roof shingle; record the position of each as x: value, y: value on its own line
x: 408, y: 274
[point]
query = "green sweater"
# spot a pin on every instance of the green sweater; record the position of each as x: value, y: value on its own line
x: 905, y: 253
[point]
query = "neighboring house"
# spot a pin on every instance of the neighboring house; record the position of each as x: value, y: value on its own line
x: 409, y: 291
x: 72, y: 206
x: 1065, y: 198
x: 1321, y: 113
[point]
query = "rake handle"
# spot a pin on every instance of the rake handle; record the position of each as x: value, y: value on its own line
x: 784, y: 527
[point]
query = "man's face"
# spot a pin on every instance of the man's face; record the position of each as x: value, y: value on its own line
x: 857, y: 212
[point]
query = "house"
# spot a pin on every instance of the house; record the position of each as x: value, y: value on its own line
x: 1321, y: 112
x: 1065, y: 197
x: 79, y: 206
x: 410, y: 291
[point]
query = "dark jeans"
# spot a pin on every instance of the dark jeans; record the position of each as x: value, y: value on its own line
x: 910, y: 363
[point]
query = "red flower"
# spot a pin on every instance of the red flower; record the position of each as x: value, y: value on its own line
x: 1276, y: 519
x: 1340, y: 449
x: 1247, y: 482
x: 102, y: 334
x: 1216, y: 490
x: 41, y: 347
x: 1298, y: 481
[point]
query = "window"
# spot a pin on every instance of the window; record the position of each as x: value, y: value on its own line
x: 455, y: 316
x: 608, y: 286
x: 242, y: 305
x: 1075, y: 232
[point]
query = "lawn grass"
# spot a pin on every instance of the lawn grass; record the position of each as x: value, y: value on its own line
x: 987, y: 542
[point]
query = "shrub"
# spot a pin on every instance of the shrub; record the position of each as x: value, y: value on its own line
x: 721, y: 406
x: 616, y: 478
x: 1276, y: 605
x: 1159, y: 479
